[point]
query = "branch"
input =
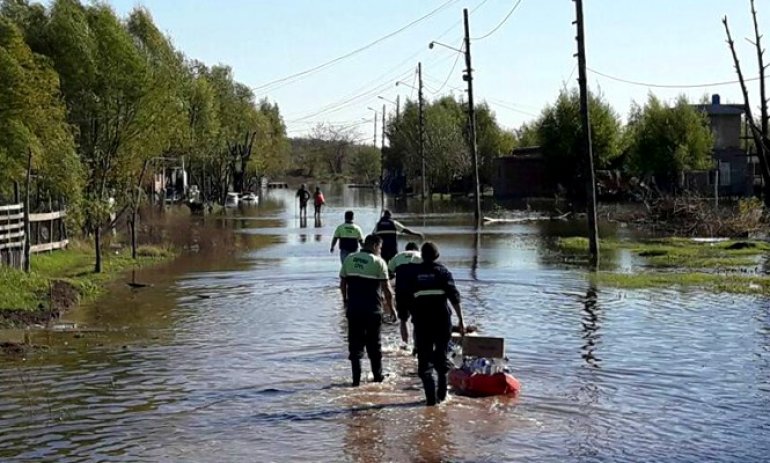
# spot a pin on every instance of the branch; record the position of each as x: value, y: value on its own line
x: 747, y: 108
x: 762, y: 67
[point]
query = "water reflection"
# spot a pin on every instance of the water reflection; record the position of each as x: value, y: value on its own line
x: 591, y: 324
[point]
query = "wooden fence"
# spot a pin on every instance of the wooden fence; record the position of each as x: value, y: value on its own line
x: 12, y: 235
x: 47, y: 233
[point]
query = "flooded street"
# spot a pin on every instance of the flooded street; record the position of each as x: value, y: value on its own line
x: 242, y: 357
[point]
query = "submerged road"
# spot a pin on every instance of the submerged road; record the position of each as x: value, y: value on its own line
x: 241, y: 356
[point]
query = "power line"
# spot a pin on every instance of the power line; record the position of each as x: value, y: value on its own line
x: 357, y: 50
x: 646, y: 84
x: 449, y: 76
x: 501, y: 22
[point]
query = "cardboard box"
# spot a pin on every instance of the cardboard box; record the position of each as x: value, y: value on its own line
x: 481, y: 346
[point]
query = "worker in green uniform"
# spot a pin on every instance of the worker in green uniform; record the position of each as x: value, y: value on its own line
x: 363, y: 283
x: 349, y: 235
x: 409, y: 256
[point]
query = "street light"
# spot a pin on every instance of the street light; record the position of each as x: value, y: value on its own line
x: 432, y: 44
x: 408, y: 85
x: 385, y: 99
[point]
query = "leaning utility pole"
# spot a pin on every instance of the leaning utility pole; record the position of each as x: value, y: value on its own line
x: 421, y: 106
x: 593, y: 231
x: 468, y: 77
x: 382, y: 161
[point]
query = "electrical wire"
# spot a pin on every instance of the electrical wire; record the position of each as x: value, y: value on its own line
x: 357, y: 50
x: 501, y: 22
x: 451, y: 71
x: 645, y: 84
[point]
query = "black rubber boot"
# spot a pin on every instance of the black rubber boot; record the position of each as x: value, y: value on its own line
x: 430, y: 389
x: 442, y: 387
x: 356, y: 367
x: 377, y: 370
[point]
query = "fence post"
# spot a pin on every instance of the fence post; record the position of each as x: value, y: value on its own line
x: 25, y: 257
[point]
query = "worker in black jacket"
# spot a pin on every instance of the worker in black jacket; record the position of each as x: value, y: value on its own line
x: 389, y: 229
x: 424, y: 292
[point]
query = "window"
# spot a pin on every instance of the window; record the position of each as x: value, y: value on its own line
x: 724, y: 173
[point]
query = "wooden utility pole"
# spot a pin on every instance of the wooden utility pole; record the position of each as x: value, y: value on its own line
x: 593, y: 230
x: 398, y: 108
x: 421, y: 106
x: 382, y: 161
x: 374, y: 138
x: 468, y: 77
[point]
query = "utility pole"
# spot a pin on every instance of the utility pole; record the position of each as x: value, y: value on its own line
x: 593, y: 231
x: 468, y: 77
x: 421, y: 107
x: 382, y: 161
x: 398, y: 108
x: 374, y: 138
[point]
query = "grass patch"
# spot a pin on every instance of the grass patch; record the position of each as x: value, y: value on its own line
x: 708, y: 281
x: 678, y: 252
x: 19, y: 290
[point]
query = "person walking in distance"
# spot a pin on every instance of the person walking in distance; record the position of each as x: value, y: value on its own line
x: 303, y: 196
x: 388, y: 229
x: 349, y: 236
x: 363, y: 283
x: 318, y: 201
x: 424, y: 292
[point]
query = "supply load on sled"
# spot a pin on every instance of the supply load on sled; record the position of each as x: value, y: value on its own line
x: 481, y: 368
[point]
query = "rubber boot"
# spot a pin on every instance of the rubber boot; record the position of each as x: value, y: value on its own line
x: 430, y: 389
x: 442, y: 387
x: 377, y: 370
x: 356, y: 367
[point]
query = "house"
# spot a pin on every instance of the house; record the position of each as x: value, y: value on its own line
x: 522, y: 174
x: 735, y: 166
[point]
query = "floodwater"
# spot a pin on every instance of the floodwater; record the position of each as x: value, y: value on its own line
x: 241, y: 356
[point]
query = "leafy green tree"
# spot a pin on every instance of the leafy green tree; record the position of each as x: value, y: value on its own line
x: 363, y: 164
x: 492, y: 142
x: 33, y: 120
x: 665, y: 140
x: 559, y: 132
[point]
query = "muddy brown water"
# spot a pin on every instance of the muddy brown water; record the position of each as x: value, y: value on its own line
x: 240, y: 356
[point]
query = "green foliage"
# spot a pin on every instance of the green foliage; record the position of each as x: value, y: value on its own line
x: 447, y: 155
x: 363, y: 164
x: 559, y: 134
x: 666, y: 140
x: 32, y: 119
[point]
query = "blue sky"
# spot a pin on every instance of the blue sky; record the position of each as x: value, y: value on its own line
x: 518, y: 69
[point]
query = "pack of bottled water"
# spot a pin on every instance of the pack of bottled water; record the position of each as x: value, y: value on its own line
x: 477, y: 365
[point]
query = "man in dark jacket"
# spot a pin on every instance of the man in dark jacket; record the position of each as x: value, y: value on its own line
x: 424, y: 292
x: 363, y: 282
x: 388, y: 229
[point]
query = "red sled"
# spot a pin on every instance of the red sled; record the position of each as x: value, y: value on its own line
x: 482, y: 385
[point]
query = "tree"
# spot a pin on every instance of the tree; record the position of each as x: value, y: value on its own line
x: 664, y: 140
x: 33, y: 120
x: 559, y: 134
x: 492, y: 142
x: 363, y: 164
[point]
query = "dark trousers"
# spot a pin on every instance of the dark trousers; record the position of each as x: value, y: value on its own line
x: 364, y: 333
x: 432, y: 343
x: 388, y: 253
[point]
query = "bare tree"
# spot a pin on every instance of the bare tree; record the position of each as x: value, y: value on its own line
x: 759, y: 133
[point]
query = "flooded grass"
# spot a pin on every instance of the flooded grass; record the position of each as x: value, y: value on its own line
x: 22, y: 291
x: 684, y: 262
x: 719, y: 283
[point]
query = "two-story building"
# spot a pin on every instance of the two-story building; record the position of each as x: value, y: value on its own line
x: 735, y: 165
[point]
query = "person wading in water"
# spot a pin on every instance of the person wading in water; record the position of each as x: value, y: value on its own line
x: 363, y: 283
x: 349, y: 235
x: 304, y: 196
x: 388, y: 229
x: 423, y: 292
